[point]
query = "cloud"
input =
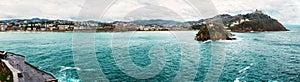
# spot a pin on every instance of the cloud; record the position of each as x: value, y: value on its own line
x: 155, y: 9
x: 63, y: 9
x: 285, y: 11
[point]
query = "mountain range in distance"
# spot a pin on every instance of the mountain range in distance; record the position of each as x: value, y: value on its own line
x: 151, y: 21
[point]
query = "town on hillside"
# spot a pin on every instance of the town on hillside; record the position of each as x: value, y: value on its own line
x: 45, y: 25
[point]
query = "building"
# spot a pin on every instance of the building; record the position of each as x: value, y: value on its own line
x: 63, y: 27
x: 43, y: 29
x: 258, y: 11
x: 3, y: 26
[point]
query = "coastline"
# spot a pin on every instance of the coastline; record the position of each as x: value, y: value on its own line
x: 85, y: 31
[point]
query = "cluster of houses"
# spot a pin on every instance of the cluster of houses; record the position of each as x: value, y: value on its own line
x: 130, y: 26
x: 37, y: 24
x: 239, y: 22
x: 242, y: 19
x: 63, y: 25
x: 49, y: 25
x: 27, y: 25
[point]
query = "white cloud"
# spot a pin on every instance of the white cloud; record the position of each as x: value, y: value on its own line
x: 156, y: 9
x: 63, y: 9
x: 286, y: 11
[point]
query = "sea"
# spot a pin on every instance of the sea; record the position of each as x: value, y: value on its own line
x: 160, y: 56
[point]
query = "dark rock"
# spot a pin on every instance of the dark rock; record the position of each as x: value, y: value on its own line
x: 213, y: 32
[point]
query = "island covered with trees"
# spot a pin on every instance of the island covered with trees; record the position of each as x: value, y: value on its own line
x: 219, y: 27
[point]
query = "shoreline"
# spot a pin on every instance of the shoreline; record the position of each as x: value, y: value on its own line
x: 85, y: 31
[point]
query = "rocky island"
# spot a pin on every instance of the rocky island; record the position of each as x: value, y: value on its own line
x: 218, y: 27
x: 213, y: 32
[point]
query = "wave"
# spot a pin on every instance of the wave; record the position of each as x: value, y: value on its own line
x: 237, y: 80
x: 242, y: 71
x: 246, y: 68
x: 63, y: 77
x: 64, y: 68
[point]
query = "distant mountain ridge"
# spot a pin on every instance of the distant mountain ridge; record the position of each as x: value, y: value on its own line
x: 156, y: 21
x: 151, y: 21
x: 32, y: 20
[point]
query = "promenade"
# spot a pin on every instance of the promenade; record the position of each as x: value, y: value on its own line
x: 24, y: 72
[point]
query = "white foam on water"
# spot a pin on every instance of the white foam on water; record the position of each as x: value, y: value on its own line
x: 63, y: 76
x: 64, y: 68
x: 246, y: 68
x: 208, y: 41
x: 243, y: 71
x: 237, y: 80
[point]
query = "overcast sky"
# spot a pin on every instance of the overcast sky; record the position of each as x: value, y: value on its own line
x: 286, y: 11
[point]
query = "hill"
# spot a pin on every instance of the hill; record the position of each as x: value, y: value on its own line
x: 156, y: 21
x: 216, y: 28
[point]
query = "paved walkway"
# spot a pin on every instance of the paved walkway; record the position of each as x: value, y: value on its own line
x: 30, y: 73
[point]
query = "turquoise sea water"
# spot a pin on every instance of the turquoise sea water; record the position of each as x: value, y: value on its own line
x: 264, y: 56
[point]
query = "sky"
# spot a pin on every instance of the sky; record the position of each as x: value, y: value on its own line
x: 286, y: 11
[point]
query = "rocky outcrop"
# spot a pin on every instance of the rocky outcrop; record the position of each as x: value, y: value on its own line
x: 212, y: 32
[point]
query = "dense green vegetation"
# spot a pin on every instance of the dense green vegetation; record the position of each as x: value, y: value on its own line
x: 258, y: 22
x: 5, y: 73
x: 215, y: 28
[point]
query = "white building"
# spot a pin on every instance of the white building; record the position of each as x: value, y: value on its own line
x: 29, y: 29
x: 3, y: 27
x: 234, y: 23
x: 63, y: 27
x: 43, y: 29
x: 34, y: 29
